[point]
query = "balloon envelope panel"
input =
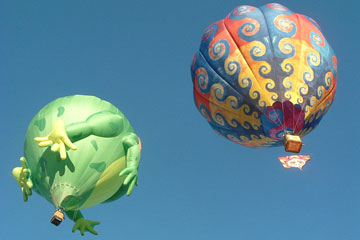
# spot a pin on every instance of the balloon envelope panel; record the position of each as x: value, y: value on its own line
x: 263, y: 71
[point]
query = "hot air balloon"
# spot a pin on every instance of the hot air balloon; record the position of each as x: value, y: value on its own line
x: 79, y: 151
x: 264, y: 77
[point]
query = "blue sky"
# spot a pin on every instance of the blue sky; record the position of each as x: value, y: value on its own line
x: 193, y: 184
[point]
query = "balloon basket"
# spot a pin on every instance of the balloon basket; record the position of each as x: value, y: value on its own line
x: 292, y: 143
x: 57, y: 217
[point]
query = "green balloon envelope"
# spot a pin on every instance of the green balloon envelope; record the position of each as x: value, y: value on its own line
x: 90, y: 174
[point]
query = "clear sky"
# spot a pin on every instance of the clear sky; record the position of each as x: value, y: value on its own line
x: 193, y: 184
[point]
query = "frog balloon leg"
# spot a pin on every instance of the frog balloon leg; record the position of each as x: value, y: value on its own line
x: 132, y: 148
x: 63, y: 139
x: 132, y: 145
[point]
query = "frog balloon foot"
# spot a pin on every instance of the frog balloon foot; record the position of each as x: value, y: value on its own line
x: 85, y: 226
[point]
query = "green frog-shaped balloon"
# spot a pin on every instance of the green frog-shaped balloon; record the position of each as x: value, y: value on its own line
x: 79, y: 151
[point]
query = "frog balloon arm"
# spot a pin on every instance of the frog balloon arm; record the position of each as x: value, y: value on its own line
x: 102, y: 124
x: 58, y: 138
x: 23, y: 177
x: 131, y: 145
x: 81, y: 223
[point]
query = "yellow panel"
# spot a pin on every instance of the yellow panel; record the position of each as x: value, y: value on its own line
x: 108, y: 184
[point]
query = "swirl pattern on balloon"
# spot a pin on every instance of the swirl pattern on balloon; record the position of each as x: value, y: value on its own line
x: 208, y: 31
x: 284, y: 24
x: 249, y: 27
x: 276, y: 6
x: 240, y: 10
x: 217, y: 50
x: 202, y: 78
